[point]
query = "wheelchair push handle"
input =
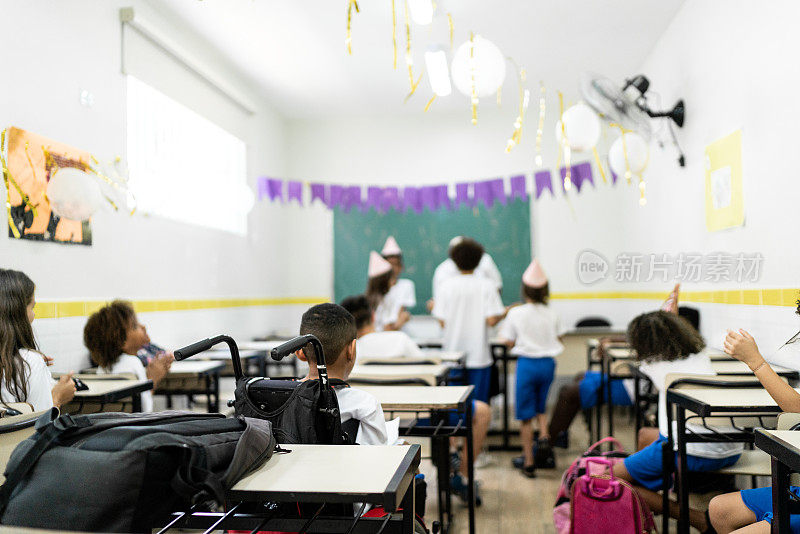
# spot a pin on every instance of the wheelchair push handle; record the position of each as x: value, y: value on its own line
x: 205, y: 344
x: 293, y: 345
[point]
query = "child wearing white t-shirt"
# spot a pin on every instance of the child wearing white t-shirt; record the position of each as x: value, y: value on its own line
x: 403, y: 292
x: 389, y: 311
x: 114, y: 337
x: 533, y: 332
x: 466, y: 306
x: 24, y: 376
x: 373, y: 344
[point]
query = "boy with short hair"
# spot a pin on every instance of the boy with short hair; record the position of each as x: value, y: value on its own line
x: 466, y: 305
x: 373, y: 344
x: 336, y: 330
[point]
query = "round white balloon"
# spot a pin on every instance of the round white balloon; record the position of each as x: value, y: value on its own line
x: 582, y: 127
x: 74, y: 194
x: 489, y: 67
x: 638, y: 154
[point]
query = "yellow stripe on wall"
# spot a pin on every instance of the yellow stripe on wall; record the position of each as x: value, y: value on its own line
x: 55, y: 310
x: 763, y: 297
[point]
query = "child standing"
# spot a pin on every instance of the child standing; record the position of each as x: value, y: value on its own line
x: 466, y: 305
x: 403, y: 291
x: 389, y: 312
x: 533, y: 332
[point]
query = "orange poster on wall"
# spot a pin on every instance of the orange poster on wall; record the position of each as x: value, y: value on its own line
x: 32, y: 161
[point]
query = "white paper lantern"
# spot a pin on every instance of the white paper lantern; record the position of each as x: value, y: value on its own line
x: 582, y: 126
x: 74, y: 194
x: 489, y: 67
x: 638, y: 154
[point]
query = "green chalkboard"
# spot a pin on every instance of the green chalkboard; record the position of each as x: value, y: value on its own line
x: 504, y: 231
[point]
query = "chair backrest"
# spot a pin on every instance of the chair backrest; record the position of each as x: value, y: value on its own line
x: 390, y: 381
x: 14, y: 429
x: 589, y: 322
x: 788, y: 420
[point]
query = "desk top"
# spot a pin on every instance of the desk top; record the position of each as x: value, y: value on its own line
x: 264, y: 346
x: 412, y: 398
x: 782, y: 444
x: 224, y: 354
x: 735, y: 367
x: 703, y: 401
x: 621, y: 353
x: 445, y: 355
x: 429, y: 373
x: 194, y: 367
x: 333, y: 473
x: 112, y: 390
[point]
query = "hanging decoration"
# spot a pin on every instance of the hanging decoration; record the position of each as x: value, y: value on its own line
x: 73, y: 194
x: 351, y: 4
x: 563, y: 144
x: 409, y: 57
x: 394, y: 35
x: 524, y: 97
x: 540, y: 127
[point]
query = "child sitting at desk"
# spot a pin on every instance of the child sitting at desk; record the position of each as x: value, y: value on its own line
x: 533, y: 332
x: 336, y: 330
x: 666, y: 343
x: 24, y: 374
x: 750, y: 510
x: 373, y: 344
x: 114, y: 338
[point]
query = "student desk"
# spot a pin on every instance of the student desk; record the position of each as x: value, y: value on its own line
x: 784, y: 448
x: 109, y: 390
x: 735, y: 367
x: 608, y: 372
x: 431, y: 375
x: 707, y: 402
x: 347, y: 474
x: 436, y: 399
x: 430, y: 357
x: 265, y: 347
x: 248, y: 356
x: 193, y: 377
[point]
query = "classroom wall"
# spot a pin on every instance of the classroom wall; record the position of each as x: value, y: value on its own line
x: 727, y: 61
x: 53, y: 50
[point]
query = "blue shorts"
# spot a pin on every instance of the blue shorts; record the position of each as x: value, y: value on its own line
x: 590, y: 389
x: 759, y: 501
x: 534, y: 377
x: 481, y: 378
x: 647, y: 466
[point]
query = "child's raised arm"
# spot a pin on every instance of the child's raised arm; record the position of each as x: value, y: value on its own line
x: 742, y: 346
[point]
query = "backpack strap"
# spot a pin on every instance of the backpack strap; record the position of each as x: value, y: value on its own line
x: 49, y: 427
x: 337, y: 383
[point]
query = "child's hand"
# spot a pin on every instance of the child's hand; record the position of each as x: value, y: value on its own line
x: 402, y: 318
x: 742, y: 346
x: 64, y: 390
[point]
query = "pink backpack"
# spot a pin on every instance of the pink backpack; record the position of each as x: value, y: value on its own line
x: 591, y: 499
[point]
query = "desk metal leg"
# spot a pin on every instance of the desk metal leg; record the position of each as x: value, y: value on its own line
x: 683, y: 468
x: 504, y: 352
x: 470, y: 469
x: 408, y: 509
x: 599, y: 407
x: 637, y: 404
x: 610, y: 405
x: 136, y: 401
x: 215, y: 385
x: 780, y: 497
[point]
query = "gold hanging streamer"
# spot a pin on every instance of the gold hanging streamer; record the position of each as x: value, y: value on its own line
x: 540, y: 127
x: 623, y: 131
x: 499, y: 96
x: 428, y: 105
x: 450, y: 25
x: 414, y: 86
x: 473, y: 90
x: 642, y: 199
x: 349, y: 38
x: 394, y: 35
x: 599, y: 165
x: 564, y: 146
x: 524, y: 98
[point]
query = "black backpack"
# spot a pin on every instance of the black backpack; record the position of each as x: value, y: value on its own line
x: 300, y: 412
x: 121, y: 472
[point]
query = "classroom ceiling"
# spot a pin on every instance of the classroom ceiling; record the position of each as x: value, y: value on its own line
x: 294, y: 50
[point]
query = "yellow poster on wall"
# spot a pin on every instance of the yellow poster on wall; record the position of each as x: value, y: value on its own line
x: 724, y: 197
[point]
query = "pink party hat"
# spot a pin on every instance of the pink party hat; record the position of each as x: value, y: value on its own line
x: 534, y: 275
x: 377, y: 265
x: 391, y: 248
x: 671, y: 304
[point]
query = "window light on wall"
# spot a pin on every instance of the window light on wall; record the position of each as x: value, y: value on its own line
x: 183, y: 166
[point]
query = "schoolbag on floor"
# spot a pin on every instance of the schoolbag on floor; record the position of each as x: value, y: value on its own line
x: 592, y: 463
x: 121, y: 472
